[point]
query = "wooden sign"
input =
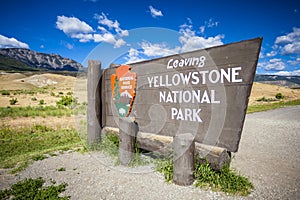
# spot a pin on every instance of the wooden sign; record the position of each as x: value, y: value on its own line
x: 204, y: 92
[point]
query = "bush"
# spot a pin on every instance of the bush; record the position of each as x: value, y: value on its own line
x: 33, y: 99
x: 5, y: 92
x: 279, y: 96
x: 264, y: 99
x: 66, y: 101
x: 13, y: 101
x: 34, y: 189
x: 42, y: 102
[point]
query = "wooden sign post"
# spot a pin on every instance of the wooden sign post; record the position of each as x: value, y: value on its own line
x: 203, y: 93
x: 94, y: 116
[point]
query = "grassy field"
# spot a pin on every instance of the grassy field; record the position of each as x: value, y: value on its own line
x: 271, y: 106
x: 23, y: 145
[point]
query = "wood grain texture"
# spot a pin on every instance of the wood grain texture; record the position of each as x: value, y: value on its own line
x: 222, y: 124
x: 94, y: 110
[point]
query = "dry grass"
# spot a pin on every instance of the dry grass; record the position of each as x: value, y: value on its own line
x: 260, y: 90
x: 53, y: 122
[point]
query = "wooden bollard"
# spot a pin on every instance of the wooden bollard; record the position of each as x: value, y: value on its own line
x: 127, y: 137
x: 94, y: 101
x: 184, y: 148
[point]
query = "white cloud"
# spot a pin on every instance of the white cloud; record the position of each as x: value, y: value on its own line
x: 202, y: 29
x: 69, y: 46
x: 288, y: 73
x: 103, y: 20
x: 83, y: 37
x: 102, y: 29
x: 42, y: 46
x: 293, y: 48
x: 190, y: 41
x: 274, y: 64
x: 133, y: 56
x: 294, y: 61
x: 108, y: 36
x: 154, y: 12
x: 6, y: 42
x: 211, y: 23
x: 271, y: 54
x: 72, y: 25
x: 155, y: 50
x: 289, y: 43
x: 120, y: 42
x: 124, y: 33
x: 75, y: 28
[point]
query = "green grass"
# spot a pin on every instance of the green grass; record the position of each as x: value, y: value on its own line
x: 227, y: 180
x: 271, y: 106
x: 34, y: 111
x: 110, y: 145
x: 20, y: 146
x: 34, y: 189
x: 42, y: 90
x: 165, y: 165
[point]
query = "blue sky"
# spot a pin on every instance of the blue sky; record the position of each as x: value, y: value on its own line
x: 129, y: 31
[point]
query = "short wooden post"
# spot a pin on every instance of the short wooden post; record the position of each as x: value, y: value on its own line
x: 184, y: 148
x: 94, y: 102
x: 127, y: 135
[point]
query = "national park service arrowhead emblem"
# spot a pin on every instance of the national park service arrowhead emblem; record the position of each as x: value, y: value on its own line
x: 123, y: 85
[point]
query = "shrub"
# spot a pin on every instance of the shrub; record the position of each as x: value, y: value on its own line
x: 67, y: 101
x: 5, y: 92
x: 34, y: 189
x: 42, y: 102
x: 13, y: 101
x: 279, y: 96
x: 264, y: 99
x: 33, y: 99
x: 52, y: 94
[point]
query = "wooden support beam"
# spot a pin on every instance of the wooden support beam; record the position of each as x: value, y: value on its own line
x: 127, y: 135
x: 217, y: 157
x: 94, y: 102
x: 184, y: 149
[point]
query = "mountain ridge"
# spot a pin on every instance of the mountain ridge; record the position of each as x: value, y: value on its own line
x: 11, y: 58
x: 286, y: 81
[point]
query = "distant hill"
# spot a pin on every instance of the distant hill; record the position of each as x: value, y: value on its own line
x: 18, y: 59
x: 286, y: 81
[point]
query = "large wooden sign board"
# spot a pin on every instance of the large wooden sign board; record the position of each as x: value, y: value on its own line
x: 204, y: 92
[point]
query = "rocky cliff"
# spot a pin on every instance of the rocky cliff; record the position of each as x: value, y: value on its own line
x: 40, y: 61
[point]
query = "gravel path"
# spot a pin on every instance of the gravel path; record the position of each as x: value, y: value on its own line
x: 269, y: 155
